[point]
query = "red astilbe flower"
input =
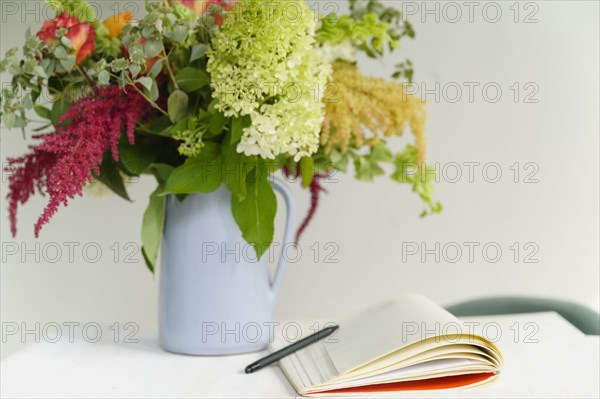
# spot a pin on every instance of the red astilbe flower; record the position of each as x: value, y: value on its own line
x: 63, y: 163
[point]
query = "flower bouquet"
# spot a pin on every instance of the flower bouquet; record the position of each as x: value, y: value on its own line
x: 201, y: 94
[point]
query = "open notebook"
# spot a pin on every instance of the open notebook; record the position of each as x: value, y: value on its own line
x: 408, y: 344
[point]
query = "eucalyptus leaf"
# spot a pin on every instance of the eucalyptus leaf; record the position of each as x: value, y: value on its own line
x: 146, y: 82
x: 153, y: 93
x: 38, y: 70
x: 180, y: 33
x: 68, y: 63
x: 177, y: 105
x: 66, y: 42
x: 135, y: 70
x: 104, y: 78
x: 156, y: 69
x: 9, y: 119
x: 152, y: 48
x: 198, y: 51
x: 61, y: 53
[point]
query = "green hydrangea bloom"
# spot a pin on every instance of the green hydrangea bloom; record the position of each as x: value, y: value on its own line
x: 264, y: 63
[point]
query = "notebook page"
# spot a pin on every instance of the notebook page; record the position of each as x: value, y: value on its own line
x: 385, y: 328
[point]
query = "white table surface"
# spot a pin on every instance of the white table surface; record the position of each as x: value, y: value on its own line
x: 563, y: 363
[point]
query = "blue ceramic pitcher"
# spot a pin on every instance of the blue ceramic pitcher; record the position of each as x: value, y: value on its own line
x: 215, y: 297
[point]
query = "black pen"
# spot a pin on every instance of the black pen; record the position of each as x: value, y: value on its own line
x: 288, y: 350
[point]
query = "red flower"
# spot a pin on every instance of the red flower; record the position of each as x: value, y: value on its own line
x: 63, y: 163
x: 202, y: 7
x: 81, y: 35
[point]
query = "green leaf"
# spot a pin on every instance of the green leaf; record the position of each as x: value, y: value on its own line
x: 236, y: 167
x: 152, y: 48
x: 146, y: 81
x: 42, y: 112
x: 381, y: 153
x: 59, y: 107
x: 339, y: 161
x: 68, y: 63
x: 136, y: 158
x: 9, y: 119
x: 201, y: 174
x: 61, y: 53
x: 153, y: 93
x: 110, y: 176
x: 177, y: 105
x: 180, y: 33
x: 198, y: 51
x: 152, y: 228
x: 156, y: 69
x: 191, y: 79
x: 407, y: 171
x: 135, y: 69
x: 84, y: 12
x: 237, y: 127
x: 366, y: 170
x: 307, y: 171
x: 255, y: 213
x: 217, y: 123
x: 39, y: 129
x: 162, y: 171
x: 38, y: 70
x: 66, y: 42
x: 104, y: 78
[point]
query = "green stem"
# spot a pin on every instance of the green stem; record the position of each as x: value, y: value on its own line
x: 165, y: 59
x: 85, y: 75
x: 154, y: 105
x: 141, y: 93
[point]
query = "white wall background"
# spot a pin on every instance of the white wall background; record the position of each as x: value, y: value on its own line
x: 559, y: 133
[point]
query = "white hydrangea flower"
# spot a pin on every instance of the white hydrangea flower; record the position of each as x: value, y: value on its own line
x: 344, y: 51
x: 264, y: 63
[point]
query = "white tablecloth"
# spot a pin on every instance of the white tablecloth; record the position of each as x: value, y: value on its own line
x: 562, y: 363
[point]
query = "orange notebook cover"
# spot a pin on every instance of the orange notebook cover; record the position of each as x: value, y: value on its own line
x: 455, y: 381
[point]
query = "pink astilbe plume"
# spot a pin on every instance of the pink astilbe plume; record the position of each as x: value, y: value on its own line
x: 63, y: 163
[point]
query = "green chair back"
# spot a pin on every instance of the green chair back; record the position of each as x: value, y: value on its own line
x: 585, y: 319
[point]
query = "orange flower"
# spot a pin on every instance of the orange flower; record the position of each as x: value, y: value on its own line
x: 115, y: 24
x: 81, y: 35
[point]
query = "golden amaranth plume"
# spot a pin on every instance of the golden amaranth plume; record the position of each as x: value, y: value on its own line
x: 359, y: 103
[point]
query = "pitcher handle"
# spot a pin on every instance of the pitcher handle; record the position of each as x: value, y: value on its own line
x: 287, y: 235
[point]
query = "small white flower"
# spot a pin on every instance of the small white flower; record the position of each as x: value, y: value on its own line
x: 251, y: 50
